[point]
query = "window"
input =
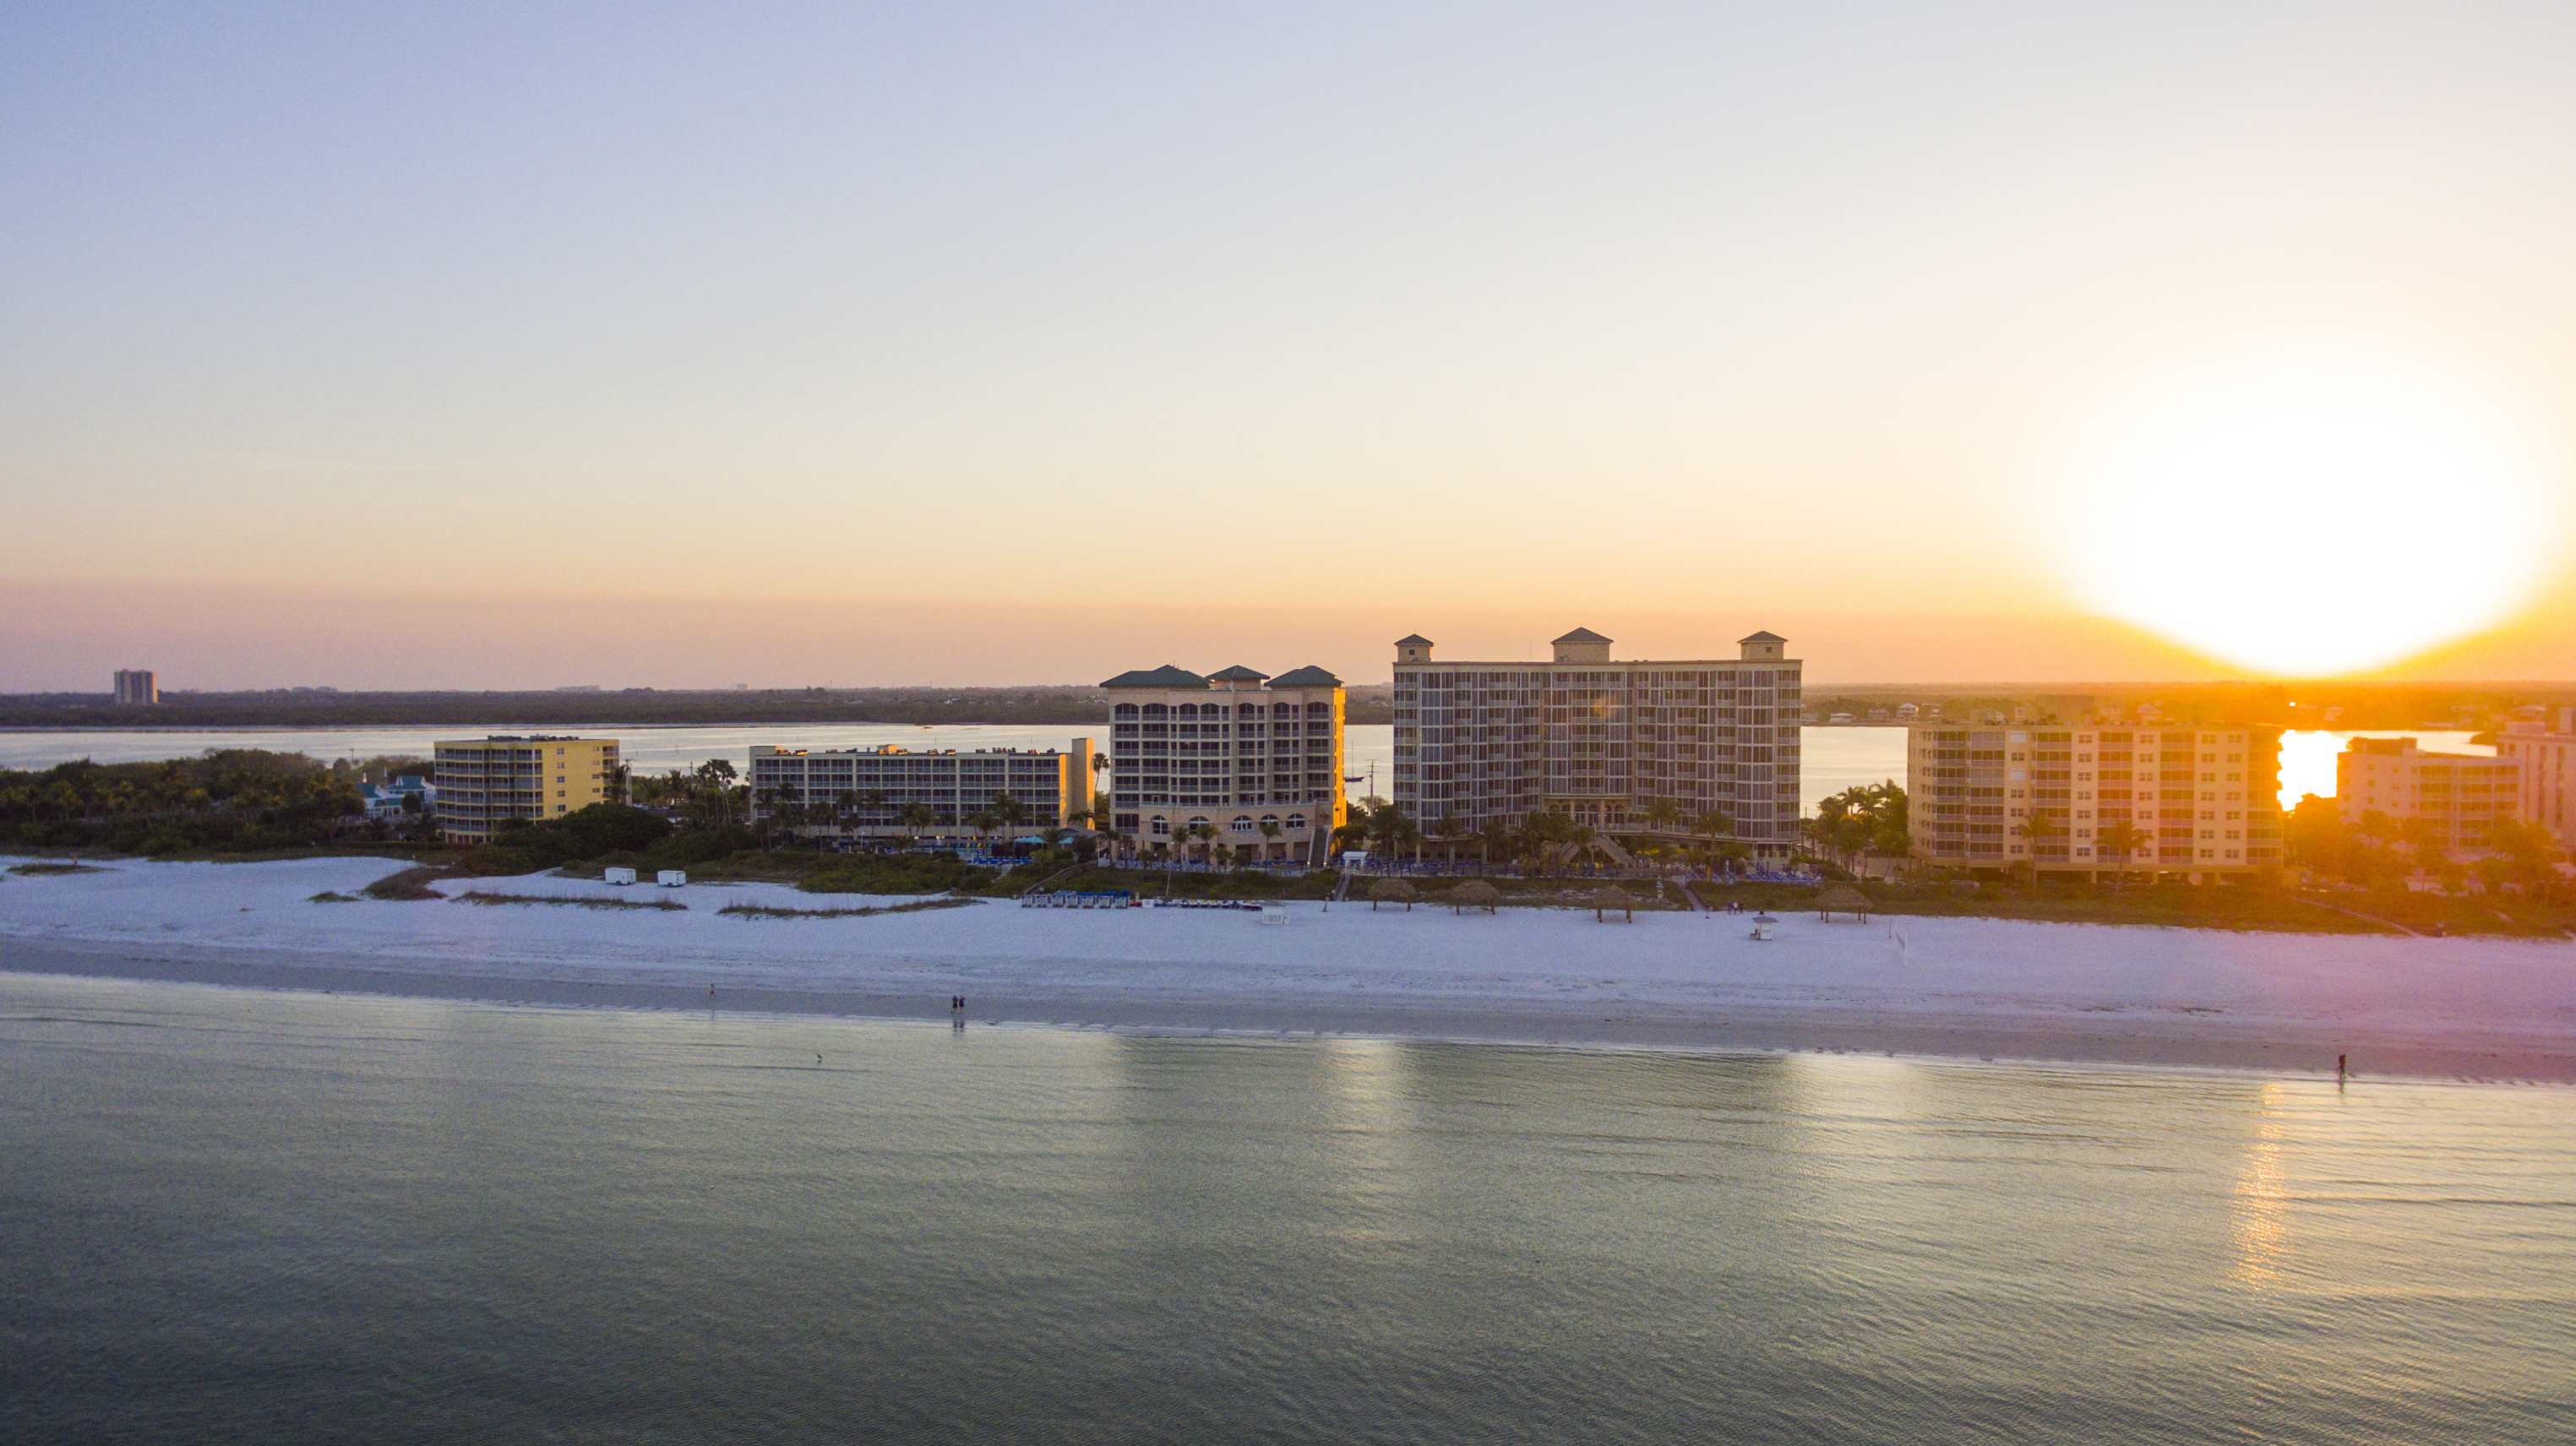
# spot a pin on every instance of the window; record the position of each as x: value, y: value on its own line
x: 1162, y: 825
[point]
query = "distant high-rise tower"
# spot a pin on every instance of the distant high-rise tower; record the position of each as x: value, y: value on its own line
x: 136, y: 685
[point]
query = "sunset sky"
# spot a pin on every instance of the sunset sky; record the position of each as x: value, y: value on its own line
x: 436, y: 346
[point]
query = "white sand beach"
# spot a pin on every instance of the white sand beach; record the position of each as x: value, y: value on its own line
x: 2463, y: 1007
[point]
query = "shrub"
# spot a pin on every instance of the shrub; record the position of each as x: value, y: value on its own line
x: 894, y: 874
x: 521, y: 847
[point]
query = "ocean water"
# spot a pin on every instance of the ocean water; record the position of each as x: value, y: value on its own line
x: 233, y: 1215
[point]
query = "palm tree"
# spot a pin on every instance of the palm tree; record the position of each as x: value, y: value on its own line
x: 1205, y: 833
x: 1356, y: 829
x: 1391, y: 828
x: 2420, y: 837
x: 1537, y: 837
x: 1663, y: 814
x: 1270, y: 830
x: 1013, y: 813
x: 2118, y: 839
x: 2038, y: 828
x: 916, y: 816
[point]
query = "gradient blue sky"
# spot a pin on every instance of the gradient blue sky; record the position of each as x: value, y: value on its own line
x: 868, y: 344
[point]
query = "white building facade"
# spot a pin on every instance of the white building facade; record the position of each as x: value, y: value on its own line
x: 888, y: 792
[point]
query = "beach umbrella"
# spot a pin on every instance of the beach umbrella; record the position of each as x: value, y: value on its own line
x: 1475, y: 894
x: 1390, y: 891
x: 1842, y: 899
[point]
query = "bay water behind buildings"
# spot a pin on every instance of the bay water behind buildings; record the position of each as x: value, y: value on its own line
x: 1834, y: 758
x: 238, y: 1215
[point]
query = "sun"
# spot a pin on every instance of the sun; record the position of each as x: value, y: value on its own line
x: 2306, y: 519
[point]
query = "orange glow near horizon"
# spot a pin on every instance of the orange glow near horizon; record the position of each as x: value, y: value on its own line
x: 2308, y: 756
x: 2310, y: 518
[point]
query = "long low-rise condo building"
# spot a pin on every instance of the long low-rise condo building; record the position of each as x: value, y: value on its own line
x: 482, y: 782
x: 1234, y: 766
x: 974, y: 796
x: 2201, y: 801
x: 1602, y: 741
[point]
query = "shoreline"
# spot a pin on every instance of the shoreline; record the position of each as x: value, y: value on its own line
x: 2264, y: 1047
x: 2285, y: 1004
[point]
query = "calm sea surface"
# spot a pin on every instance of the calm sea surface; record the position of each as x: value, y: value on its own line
x: 243, y: 1216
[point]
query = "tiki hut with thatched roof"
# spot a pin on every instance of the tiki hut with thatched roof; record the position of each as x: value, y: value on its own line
x: 1613, y: 897
x: 1390, y: 891
x: 1842, y: 899
x: 1474, y: 894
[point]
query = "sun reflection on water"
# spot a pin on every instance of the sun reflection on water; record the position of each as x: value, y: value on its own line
x: 2262, y: 1200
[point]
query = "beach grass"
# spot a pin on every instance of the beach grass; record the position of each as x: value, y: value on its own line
x: 772, y: 911
x: 58, y: 869
x: 407, y: 886
x: 328, y: 897
x: 480, y: 896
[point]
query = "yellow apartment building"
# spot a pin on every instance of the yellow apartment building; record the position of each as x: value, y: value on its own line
x: 2539, y: 750
x: 2458, y: 794
x: 2204, y: 800
x: 483, y: 781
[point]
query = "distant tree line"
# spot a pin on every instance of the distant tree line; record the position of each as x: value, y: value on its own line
x: 232, y: 799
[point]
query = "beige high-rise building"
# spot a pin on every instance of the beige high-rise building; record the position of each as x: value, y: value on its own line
x: 1601, y: 741
x: 136, y: 686
x: 483, y: 781
x: 2203, y: 800
x: 2458, y: 795
x: 1256, y: 759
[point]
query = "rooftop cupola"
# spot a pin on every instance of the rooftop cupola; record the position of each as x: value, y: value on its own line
x: 1762, y: 647
x: 1582, y: 646
x: 1413, y: 649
